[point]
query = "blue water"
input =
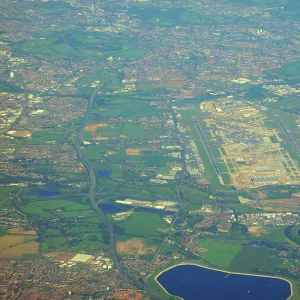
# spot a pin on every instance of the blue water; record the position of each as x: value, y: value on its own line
x: 112, y: 208
x: 49, y: 190
x: 197, y: 283
x: 103, y: 173
x: 46, y: 193
x: 298, y: 231
x: 260, y: 243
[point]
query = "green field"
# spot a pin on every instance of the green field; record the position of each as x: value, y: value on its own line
x: 177, y: 16
x: 254, y: 259
x: 101, y: 75
x: 6, y: 193
x: 67, y: 226
x: 143, y: 224
x: 7, y: 87
x: 291, y: 235
x: 63, y: 208
x: 220, y: 253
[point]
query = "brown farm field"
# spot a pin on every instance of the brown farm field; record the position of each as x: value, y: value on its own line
x: 17, y: 243
x: 134, y: 246
x: 280, y: 205
x: 126, y: 295
x: 21, y: 231
x: 255, y: 230
x: 10, y: 240
x: 93, y: 127
x: 173, y: 83
x: 136, y: 151
x: 20, y: 134
x: 18, y: 251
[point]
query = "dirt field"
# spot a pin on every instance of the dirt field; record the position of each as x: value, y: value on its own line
x: 155, y: 146
x: 280, y: 205
x: 262, y: 195
x: 20, y: 134
x: 134, y: 246
x: 21, y: 231
x: 173, y: 83
x: 100, y: 138
x: 255, y: 230
x: 126, y: 295
x: 92, y: 128
x: 285, y: 202
x: 136, y: 151
x: 18, y: 243
x: 9, y: 240
x: 19, y: 250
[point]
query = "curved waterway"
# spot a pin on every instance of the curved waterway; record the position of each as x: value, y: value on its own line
x: 298, y: 231
x: 192, y: 282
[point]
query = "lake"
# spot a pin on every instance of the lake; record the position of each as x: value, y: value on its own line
x: 113, y: 208
x: 192, y: 282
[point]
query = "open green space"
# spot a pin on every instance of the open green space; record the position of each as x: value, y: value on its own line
x: 291, y: 233
x: 53, y: 45
x: 222, y: 167
x: 288, y: 72
x: 101, y: 75
x: 123, y: 107
x: 220, y: 253
x: 40, y: 137
x: 52, y: 7
x: 84, y: 235
x: 274, y: 235
x: 137, y: 130
x: 151, y: 111
x: 6, y: 193
x: 80, y: 43
x: 7, y: 87
x: 143, y: 224
x: 260, y: 2
x: 177, y: 16
x: 216, y: 152
x: 79, y: 227
x: 101, y: 44
x: 55, y: 207
x: 194, y: 196
x: 255, y: 259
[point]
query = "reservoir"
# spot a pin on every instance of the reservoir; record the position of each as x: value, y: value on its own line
x: 192, y: 282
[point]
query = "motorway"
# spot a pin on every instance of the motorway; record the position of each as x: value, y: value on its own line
x: 175, y: 218
x: 24, y: 108
x: 114, y: 256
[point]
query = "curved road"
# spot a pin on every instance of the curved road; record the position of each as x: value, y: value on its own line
x: 90, y: 170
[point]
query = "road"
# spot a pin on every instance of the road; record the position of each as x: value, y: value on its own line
x: 114, y: 256
x: 24, y: 108
x: 175, y: 218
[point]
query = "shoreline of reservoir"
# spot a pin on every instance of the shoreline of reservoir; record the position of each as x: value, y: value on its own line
x: 219, y: 270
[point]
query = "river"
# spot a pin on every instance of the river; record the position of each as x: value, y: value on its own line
x: 192, y: 282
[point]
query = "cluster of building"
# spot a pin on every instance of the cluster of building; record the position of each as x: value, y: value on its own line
x: 269, y: 219
x: 69, y: 260
x: 158, y: 205
x: 251, y: 151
